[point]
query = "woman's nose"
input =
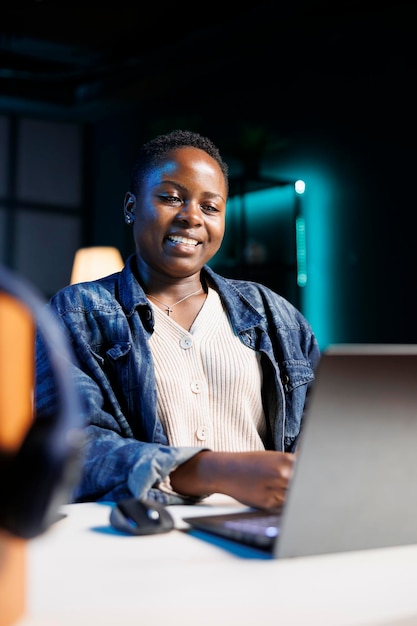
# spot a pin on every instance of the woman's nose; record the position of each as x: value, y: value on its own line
x: 190, y: 213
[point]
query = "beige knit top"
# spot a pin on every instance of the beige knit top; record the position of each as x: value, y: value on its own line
x: 208, y: 382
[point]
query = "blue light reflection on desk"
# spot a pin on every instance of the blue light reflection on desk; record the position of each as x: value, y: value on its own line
x: 233, y: 547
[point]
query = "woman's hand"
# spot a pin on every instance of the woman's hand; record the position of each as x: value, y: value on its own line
x: 258, y: 479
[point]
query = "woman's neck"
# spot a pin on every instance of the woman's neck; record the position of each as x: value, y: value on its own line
x: 170, y: 288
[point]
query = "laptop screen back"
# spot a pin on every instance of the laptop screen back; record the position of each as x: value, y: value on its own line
x: 355, y: 480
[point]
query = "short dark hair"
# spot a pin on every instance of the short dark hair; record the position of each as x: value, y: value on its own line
x: 154, y: 150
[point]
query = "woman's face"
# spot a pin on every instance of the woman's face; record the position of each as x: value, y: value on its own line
x: 179, y: 216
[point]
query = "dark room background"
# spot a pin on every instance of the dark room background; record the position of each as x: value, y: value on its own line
x: 322, y: 92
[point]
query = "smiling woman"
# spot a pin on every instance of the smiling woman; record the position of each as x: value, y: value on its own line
x: 181, y: 227
x: 178, y: 216
x: 193, y: 383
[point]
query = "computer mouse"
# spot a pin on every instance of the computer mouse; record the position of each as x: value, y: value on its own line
x: 141, y: 517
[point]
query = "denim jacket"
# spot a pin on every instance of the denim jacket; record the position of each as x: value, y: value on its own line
x: 109, y: 322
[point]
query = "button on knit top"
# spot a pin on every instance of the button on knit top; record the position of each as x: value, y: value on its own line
x: 208, y: 383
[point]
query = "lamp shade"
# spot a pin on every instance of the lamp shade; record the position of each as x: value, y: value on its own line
x: 95, y: 262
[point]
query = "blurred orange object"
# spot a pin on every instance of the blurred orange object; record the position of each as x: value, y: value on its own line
x: 16, y: 410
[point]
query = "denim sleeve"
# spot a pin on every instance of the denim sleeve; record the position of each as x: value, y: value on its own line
x: 115, y: 462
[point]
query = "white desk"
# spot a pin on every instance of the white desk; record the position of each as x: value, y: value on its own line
x: 80, y: 573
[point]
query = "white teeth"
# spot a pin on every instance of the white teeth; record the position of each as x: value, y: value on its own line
x: 189, y: 242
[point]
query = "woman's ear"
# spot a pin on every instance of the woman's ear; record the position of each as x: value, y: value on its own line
x: 129, y: 207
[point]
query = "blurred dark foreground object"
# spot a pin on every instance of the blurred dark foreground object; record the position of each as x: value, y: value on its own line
x: 39, y: 458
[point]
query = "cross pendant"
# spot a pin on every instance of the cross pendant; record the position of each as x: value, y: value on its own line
x: 168, y: 310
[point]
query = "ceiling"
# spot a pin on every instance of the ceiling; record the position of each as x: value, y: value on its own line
x: 243, y: 70
x: 69, y: 54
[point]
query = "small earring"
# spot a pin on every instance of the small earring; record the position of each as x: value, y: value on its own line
x: 128, y: 219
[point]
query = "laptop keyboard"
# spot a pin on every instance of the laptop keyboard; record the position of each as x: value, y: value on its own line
x: 267, y: 525
x: 255, y: 528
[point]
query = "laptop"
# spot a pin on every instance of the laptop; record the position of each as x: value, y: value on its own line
x: 354, y: 485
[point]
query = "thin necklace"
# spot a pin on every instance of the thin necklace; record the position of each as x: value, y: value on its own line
x: 169, y: 307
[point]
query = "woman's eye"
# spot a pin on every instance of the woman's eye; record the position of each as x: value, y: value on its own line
x: 170, y: 199
x: 209, y: 209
